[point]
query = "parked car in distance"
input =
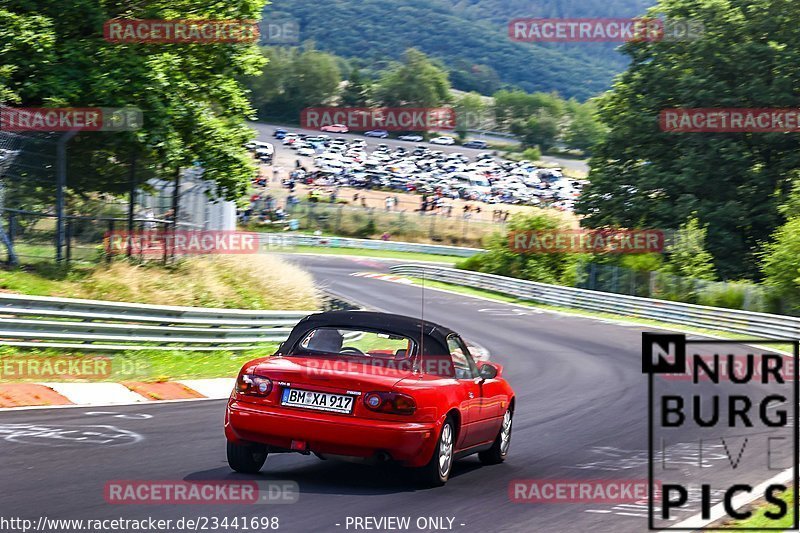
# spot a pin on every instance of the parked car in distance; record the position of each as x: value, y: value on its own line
x: 381, y: 134
x: 482, y: 145
x: 306, y: 151
x: 279, y: 133
x: 335, y: 128
x: 374, y: 387
x: 443, y: 140
x: 412, y: 138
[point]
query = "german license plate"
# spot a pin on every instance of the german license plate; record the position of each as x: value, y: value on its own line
x: 321, y: 401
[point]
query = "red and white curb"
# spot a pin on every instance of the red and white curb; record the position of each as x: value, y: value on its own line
x: 383, y: 277
x: 15, y: 395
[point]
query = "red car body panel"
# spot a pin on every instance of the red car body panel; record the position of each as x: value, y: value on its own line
x: 477, y: 404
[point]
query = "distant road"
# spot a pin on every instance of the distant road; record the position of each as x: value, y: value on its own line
x: 266, y: 130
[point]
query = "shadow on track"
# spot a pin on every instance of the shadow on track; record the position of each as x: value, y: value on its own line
x: 335, y: 477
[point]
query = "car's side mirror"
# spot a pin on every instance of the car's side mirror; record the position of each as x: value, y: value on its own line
x: 487, y: 371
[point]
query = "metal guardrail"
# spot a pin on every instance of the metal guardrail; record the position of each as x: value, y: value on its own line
x: 760, y: 325
x: 46, y: 322
x: 289, y: 240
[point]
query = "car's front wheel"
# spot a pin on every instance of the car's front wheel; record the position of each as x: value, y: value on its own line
x: 246, y: 459
x: 499, y: 450
x: 437, y: 471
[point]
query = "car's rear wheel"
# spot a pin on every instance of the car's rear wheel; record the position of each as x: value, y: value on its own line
x: 437, y: 471
x: 246, y: 459
x: 499, y: 450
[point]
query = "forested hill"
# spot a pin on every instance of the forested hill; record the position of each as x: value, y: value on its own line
x: 470, y: 37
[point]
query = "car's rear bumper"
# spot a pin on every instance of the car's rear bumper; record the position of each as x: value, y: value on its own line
x: 411, y: 443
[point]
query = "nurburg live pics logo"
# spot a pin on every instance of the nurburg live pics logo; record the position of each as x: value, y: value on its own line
x: 752, y: 415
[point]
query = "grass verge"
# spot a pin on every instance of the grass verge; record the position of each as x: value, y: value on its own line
x: 758, y: 519
x: 18, y: 365
x: 239, y: 282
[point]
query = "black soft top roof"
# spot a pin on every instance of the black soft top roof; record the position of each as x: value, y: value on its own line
x: 414, y: 328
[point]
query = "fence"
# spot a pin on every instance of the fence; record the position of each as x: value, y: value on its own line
x: 33, y: 235
x: 761, y: 325
x: 65, y: 323
x: 663, y: 286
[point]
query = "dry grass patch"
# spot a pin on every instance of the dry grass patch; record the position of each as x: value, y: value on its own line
x: 240, y: 282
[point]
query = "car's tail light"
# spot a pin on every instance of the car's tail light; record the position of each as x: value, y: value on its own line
x: 253, y: 385
x: 390, y: 402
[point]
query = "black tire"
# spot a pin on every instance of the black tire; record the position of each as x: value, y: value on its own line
x: 437, y: 471
x: 246, y: 459
x: 499, y: 450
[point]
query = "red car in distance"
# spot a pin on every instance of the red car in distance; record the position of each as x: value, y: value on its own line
x: 335, y: 128
x: 373, y: 386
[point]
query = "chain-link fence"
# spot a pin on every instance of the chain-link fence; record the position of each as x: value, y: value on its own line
x: 43, y: 220
x: 664, y: 286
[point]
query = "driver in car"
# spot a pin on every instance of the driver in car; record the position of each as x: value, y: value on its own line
x: 326, y: 340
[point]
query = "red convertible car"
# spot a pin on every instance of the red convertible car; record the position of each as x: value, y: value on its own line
x: 372, y: 386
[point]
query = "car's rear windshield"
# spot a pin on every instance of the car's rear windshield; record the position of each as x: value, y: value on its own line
x: 354, y: 342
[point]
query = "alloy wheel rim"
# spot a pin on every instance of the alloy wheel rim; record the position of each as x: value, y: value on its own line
x: 446, y: 450
x: 505, y: 433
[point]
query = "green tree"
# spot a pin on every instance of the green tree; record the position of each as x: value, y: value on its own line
x: 688, y: 256
x: 194, y: 109
x: 642, y: 176
x: 516, y: 105
x: 294, y: 79
x: 356, y: 92
x: 539, y: 130
x: 779, y: 257
x: 584, y: 129
x: 470, y: 113
x: 779, y: 262
x: 416, y: 82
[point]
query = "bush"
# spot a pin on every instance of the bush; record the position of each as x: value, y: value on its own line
x: 501, y: 260
x: 532, y: 154
x: 734, y: 295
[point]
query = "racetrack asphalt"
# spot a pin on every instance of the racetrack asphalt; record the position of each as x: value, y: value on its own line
x: 581, y: 414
